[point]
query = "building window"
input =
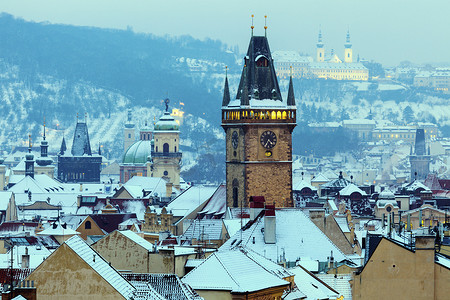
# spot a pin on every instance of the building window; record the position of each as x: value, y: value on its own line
x: 166, y: 173
x: 129, y: 135
x: 166, y: 147
x: 235, y: 192
x: 87, y: 225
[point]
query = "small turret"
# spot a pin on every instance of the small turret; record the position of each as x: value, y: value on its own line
x: 348, y: 53
x: 291, y: 97
x: 29, y: 160
x: 226, y: 92
x: 44, y: 160
x: 63, y: 148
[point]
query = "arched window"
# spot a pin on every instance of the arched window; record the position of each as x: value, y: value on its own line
x: 262, y: 61
x: 235, y: 193
x: 175, y: 148
x: 87, y: 225
x: 166, y: 147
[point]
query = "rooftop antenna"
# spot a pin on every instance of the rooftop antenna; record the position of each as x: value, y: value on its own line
x: 252, y: 24
x: 265, y: 25
x: 166, y: 101
x: 77, y: 117
x: 85, y: 117
x: 29, y: 143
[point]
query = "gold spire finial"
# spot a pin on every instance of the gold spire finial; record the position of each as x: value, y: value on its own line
x: 44, y: 127
x: 252, y: 24
x: 85, y: 117
x: 226, y: 71
x: 29, y: 143
x: 77, y: 117
x: 291, y: 70
x: 265, y: 25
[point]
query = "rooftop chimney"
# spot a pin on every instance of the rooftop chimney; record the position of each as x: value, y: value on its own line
x: 270, y: 225
x: 169, y: 189
x: 257, y: 204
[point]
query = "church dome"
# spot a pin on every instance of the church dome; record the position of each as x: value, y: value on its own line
x: 167, y: 123
x: 137, y: 153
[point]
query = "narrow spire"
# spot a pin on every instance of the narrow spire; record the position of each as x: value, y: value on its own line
x: 265, y: 25
x: 244, y: 92
x: 44, y: 129
x: 29, y: 143
x: 166, y: 102
x: 85, y: 117
x: 226, y: 90
x: 99, y: 149
x: 291, y: 97
x: 77, y: 117
x: 252, y: 25
x: 63, y: 146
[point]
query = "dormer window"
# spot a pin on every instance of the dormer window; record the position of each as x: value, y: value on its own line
x: 262, y: 61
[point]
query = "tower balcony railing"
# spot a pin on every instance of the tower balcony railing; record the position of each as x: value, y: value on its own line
x: 166, y: 154
x: 259, y: 115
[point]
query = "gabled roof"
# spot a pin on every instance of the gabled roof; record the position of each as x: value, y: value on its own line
x: 58, y: 229
x: 303, y: 184
x: 41, y: 183
x: 296, y: 234
x: 236, y: 271
x: 100, y: 266
x: 110, y: 222
x: 206, y: 229
x: 350, y: 189
x: 217, y: 204
x: 311, y: 286
x: 191, y: 199
x: 320, y: 178
x: 137, y: 239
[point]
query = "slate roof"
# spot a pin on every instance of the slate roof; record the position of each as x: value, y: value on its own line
x: 110, y: 222
x: 236, y: 271
x: 254, y: 78
x: 204, y: 230
x: 162, y: 286
x: 101, y: 266
x: 296, y: 236
x: 81, y: 144
x: 339, y: 282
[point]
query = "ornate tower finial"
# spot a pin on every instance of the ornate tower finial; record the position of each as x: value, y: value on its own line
x: 44, y: 128
x: 166, y: 102
x: 265, y: 25
x: 77, y: 117
x: 29, y: 143
x: 252, y: 24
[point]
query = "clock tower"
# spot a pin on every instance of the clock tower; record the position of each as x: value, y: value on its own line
x: 258, y: 124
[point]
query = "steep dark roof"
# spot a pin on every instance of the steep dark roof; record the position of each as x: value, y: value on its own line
x: 259, y: 74
x: 291, y: 97
x: 419, y: 146
x: 110, y: 222
x: 63, y: 147
x: 81, y: 144
x: 226, y: 93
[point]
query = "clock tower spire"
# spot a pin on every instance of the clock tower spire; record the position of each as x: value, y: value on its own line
x: 258, y: 124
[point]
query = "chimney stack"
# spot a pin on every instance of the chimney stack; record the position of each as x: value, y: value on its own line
x: 270, y: 225
x: 169, y: 189
x: 257, y: 204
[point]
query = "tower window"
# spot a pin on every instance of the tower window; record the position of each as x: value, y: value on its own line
x: 129, y: 135
x: 166, y: 173
x: 175, y: 148
x: 166, y: 147
x: 235, y: 192
x: 262, y: 62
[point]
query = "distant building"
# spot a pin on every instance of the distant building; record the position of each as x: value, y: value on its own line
x: 81, y: 165
x: 438, y: 80
x: 331, y: 67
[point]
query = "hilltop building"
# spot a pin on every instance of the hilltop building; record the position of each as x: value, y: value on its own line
x: 331, y: 67
x: 258, y: 125
x: 81, y: 165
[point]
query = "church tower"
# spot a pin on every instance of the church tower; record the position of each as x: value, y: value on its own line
x: 348, y: 53
x: 45, y: 163
x: 419, y: 160
x: 128, y: 132
x: 258, y: 125
x: 29, y: 160
x: 320, y: 49
x: 166, y: 155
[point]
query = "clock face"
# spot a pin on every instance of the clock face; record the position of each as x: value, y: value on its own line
x: 268, y: 139
x: 234, y: 139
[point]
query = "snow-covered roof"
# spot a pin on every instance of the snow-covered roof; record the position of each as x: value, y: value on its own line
x: 234, y: 225
x: 358, y: 122
x: 312, y: 286
x: 5, y: 196
x: 303, y: 184
x: 350, y: 189
x: 137, y: 239
x: 156, y: 185
x: 296, y: 236
x: 342, y: 222
x: 217, y: 205
x: 320, y: 178
x: 442, y: 260
x: 339, y: 282
x: 101, y: 266
x: 415, y: 185
x: 337, y: 66
x: 382, y: 203
x: 290, y: 57
x: 386, y: 194
x: 206, y: 229
x: 57, y: 229
x: 41, y: 183
x: 190, y: 199
x: 237, y: 270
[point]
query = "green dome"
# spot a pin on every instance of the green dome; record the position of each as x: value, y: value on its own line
x: 137, y: 153
x: 167, y: 122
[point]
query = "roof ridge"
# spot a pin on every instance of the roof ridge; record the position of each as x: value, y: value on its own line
x: 226, y: 270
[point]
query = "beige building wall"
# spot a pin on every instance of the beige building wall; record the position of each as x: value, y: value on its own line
x: 394, y: 272
x: 64, y: 275
x: 2, y: 177
x: 166, y: 166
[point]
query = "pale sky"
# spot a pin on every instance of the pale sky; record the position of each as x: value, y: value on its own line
x: 388, y: 31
